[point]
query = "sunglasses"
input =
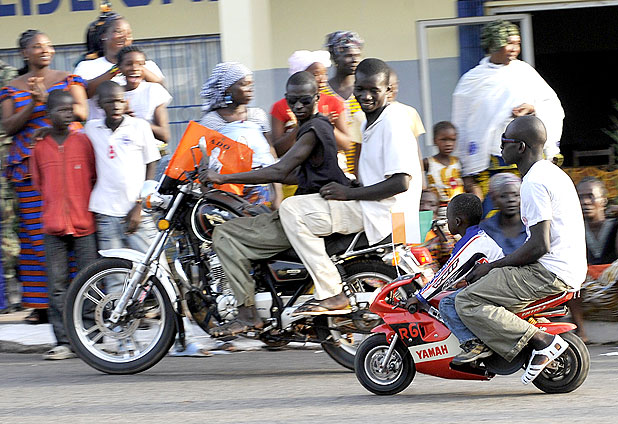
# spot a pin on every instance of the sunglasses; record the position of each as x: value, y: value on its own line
x: 305, y: 100
x: 504, y: 140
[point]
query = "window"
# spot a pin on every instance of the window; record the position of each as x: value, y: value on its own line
x: 186, y: 63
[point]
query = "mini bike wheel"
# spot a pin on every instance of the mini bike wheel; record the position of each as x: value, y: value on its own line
x: 567, y: 372
x: 394, y: 377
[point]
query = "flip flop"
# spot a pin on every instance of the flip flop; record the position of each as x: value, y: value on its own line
x: 232, y: 328
x: 556, y: 348
x: 314, y: 307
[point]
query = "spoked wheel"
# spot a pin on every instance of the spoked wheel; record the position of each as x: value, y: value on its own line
x: 138, y: 341
x: 568, y: 371
x: 343, y: 335
x: 381, y: 378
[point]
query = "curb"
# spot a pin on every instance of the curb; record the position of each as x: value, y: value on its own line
x: 15, y: 347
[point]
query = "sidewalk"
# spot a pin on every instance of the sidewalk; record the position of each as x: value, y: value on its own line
x: 18, y: 337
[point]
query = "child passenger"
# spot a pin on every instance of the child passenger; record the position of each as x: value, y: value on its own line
x: 126, y: 155
x: 63, y: 171
x: 475, y: 246
x: 443, y: 170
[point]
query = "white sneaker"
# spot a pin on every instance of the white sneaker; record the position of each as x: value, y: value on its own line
x: 58, y: 353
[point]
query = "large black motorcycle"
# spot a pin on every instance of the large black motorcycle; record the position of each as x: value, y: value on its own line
x: 123, y: 312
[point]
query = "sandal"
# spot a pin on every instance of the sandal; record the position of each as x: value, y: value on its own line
x: 556, y: 348
x: 231, y: 328
x: 37, y: 316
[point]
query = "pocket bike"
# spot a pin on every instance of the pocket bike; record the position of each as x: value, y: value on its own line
x: 416, y: 339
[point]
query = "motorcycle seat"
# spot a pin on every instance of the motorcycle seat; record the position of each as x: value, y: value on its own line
x: 335, y: 244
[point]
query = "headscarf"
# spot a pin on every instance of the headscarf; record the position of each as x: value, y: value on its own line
x: 302, y: 59
x: 498, y: 182
x: 223, y: 76
x: 339, y: 41
x: 495, y: 34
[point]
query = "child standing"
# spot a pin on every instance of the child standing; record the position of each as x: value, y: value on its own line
x: 443, y: 170
x: 126, y: 155
x: 63, y: 171
x: 475, y: 246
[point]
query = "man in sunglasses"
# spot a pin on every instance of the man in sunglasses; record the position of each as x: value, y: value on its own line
x: 551, y: 261
x: 242, y: 240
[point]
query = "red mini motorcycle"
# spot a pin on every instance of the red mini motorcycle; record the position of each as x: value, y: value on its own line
x: 416, y: 339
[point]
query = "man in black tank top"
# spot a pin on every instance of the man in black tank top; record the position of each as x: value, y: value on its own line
x: 242, y: 240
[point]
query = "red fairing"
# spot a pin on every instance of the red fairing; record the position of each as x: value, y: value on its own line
x: 555, y: 327
x: 380, y: 306
x: 545, y: 303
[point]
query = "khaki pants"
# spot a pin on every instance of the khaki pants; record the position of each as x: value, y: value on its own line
x: 242, y: 240
x: 488, y: 307
x: 305, y: 220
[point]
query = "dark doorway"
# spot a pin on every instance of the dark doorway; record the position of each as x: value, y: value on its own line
x: 576, y: 52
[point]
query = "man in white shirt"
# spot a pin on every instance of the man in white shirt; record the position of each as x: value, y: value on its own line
x: 390, y: 174
x: 125, y: 155
x: 551, y: 261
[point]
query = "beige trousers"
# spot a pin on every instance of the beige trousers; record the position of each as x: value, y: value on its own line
x: 305, y: 219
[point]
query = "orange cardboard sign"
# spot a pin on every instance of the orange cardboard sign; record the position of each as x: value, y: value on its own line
x: 229, y: 156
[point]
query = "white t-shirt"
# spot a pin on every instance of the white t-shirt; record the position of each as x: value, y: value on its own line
x: 548, y: 194
x: 144, y: 99
x: 121, y: 158
x: 90, y: 69
x: 389, y: 147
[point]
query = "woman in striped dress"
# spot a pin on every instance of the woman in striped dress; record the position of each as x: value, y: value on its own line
x: 23, y: 112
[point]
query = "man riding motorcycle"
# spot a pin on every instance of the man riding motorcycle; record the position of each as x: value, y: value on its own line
x: 390, y: 174
x: 239, y: 241
x: 551, y: 261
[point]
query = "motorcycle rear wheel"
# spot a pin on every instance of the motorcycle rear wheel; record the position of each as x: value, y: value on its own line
x: 398, y: 374
x: 568, y: 371
x: 365, y: 275
x: 134, y: 344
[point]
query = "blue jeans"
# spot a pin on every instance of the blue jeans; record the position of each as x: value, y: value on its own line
x: 452, y: 320
x: 111, y: 234
x: 57, y: 250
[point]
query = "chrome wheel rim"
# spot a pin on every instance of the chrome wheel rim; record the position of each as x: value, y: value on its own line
x: 387, y: 375
x: 133, y: 337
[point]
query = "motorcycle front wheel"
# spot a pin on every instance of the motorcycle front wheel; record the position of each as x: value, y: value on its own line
x: 341, y: 341
x: 378, y: 377
x: 138, y: 341
x: 567, y: 372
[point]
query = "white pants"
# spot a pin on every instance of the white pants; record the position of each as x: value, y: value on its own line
x: 305, y: 219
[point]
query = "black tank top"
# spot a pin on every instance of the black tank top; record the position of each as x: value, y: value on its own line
x: 321, y: 167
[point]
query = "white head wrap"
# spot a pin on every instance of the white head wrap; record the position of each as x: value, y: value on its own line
x: 302, y: 59
x: 498, y: 181
x: 223, y: 76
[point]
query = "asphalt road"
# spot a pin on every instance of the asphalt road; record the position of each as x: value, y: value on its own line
x: 299, y: 386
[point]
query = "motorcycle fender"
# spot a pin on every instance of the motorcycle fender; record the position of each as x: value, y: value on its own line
x: 386, y: 329
x: 555, y: 327
x: 162, y: 274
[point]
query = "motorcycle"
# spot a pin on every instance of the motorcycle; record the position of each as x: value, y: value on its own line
x: 414, y: 338
x: 129, y: 331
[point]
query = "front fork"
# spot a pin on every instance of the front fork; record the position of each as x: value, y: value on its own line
x: 389, y: 353
x: 154, y: 251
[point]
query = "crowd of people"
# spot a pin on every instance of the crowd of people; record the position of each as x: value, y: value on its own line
x: 334, y: 156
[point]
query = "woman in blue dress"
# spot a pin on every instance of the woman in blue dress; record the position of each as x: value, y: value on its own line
x: 23, y: 103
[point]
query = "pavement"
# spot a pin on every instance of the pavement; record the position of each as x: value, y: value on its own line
x: 19, y: 337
